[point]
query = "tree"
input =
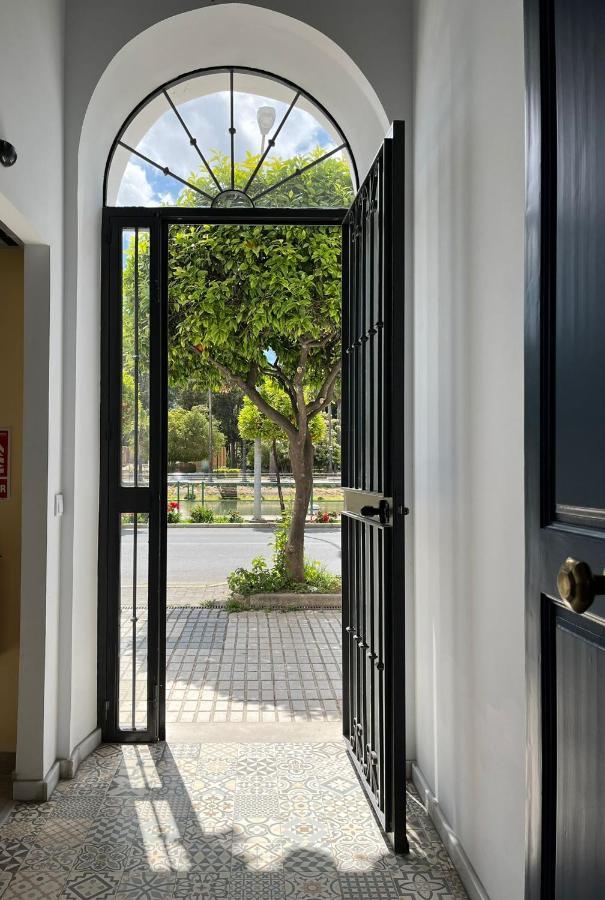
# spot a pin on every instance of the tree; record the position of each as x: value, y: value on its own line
x: 253, y: 305
x: 188, y: 435
x: 255, y: 424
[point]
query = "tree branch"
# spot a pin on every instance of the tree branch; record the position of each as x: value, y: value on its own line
x: 249, y: 388
x: 326, y: 391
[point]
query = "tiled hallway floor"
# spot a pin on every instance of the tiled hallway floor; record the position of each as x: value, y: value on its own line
x: 242, y: 667
x: 220, y: 822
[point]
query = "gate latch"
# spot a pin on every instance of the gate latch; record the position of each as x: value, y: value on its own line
x: 383, y: 511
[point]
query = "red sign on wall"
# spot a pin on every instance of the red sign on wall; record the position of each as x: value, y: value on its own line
x: 5, y: 463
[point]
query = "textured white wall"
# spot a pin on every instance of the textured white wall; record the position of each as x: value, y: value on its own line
x: 468, y: 503
x: 31, y: 204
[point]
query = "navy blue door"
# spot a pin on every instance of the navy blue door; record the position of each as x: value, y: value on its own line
x: 565, y: 447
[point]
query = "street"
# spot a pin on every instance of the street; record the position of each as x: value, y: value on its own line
x: 207, y: 555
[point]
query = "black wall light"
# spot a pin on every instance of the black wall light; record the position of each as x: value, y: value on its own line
x: 8, y: 154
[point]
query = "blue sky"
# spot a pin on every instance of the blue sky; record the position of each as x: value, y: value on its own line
x: 208, y: 120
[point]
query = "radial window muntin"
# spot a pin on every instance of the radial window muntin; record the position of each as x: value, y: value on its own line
x: 232, y: 174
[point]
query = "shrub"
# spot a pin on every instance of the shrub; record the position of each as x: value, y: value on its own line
x: 201, y: 514
x: 264, y: 579
x: 173, y: 516
x: 234, y: 517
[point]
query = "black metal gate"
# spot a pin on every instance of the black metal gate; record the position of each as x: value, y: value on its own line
x: 132, y: 550
x: 373, y: 521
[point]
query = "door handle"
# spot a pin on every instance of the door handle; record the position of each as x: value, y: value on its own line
x: 577, y: 585
x: 383, y: 511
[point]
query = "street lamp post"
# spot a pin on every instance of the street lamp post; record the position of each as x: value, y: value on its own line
x: 265, y: 116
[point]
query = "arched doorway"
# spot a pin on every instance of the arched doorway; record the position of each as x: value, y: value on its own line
x: 230, y: 186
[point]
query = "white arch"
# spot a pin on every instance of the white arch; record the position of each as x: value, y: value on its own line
x: 227, y: 34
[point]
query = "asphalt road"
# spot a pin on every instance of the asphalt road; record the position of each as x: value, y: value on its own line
x: 207, y: 555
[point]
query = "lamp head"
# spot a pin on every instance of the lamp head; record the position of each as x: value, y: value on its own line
x: 265, y: 116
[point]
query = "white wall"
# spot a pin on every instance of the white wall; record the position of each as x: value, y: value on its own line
x: 468, y: 503
x: 31, y: 204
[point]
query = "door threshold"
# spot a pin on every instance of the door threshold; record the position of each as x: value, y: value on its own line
x: 254, y: 732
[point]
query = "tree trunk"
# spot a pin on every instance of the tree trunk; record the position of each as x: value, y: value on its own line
x: 301, y: 457
x: 280, y: 492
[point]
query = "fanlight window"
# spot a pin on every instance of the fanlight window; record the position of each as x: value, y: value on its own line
x: 231, y: 138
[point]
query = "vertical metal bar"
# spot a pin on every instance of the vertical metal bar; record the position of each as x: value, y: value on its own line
x: 346, y: 622
x: 232, y: 129
x: 382, y: 711
x: 136, y: 477
x: 395, y: 366
x: 380, y: 430
x: 163, y: 232
x: 372, y: 417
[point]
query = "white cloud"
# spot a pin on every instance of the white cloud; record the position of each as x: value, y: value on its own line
x: 135, y: 189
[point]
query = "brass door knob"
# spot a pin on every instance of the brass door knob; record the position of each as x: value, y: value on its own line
x: 578, y: 586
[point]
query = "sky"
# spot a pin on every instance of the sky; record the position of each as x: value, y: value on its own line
x: 208, y: 120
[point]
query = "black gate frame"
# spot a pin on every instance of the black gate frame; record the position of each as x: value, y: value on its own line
x: 115, y: 499
x: 373, y: 393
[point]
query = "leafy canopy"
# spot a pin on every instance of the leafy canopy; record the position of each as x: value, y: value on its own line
x: 326, y: 185
x: 189, y: 435
x: 250, y: 297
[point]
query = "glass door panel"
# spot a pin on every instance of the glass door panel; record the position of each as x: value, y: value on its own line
x: 134, y: 621
x: 130, y: 547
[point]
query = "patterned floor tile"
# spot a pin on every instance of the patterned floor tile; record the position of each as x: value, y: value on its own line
x: 361, y: 886
x: 200, y: 887
x: 103, y: 857
x: 36, y: 884
x: 146, y: 886
x: 61, y: 834
x: 310, y: 886
x: 251, y: 822
x: 257, y: 886
x: 160, y: 856
x: 91, y: 886
x: 13, y: 854
x: 51, y: 858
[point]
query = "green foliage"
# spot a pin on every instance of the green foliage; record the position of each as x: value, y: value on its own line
x: 238, y: 291
x: 188, y: 435
x: 258, y: 579
x: 326, y: 185
x: 201, y: 514
x: 235, y: 518
x: 264, y: 579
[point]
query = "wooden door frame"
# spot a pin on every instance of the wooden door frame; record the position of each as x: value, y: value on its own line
x: 540, y: 280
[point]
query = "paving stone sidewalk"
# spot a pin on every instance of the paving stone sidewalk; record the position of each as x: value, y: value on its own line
x: 251, y: 666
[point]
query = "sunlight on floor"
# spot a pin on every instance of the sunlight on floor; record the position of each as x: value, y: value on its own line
x: 220, y: 822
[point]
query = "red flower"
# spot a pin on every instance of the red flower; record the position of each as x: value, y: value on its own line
x: 173, y: 505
